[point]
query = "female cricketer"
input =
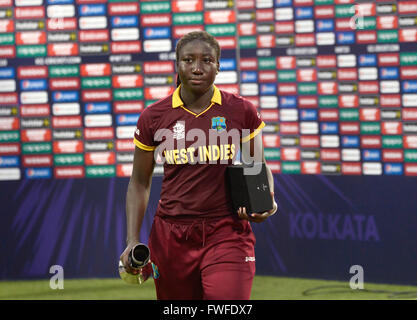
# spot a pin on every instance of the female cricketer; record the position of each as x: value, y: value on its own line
x: 202, y: 248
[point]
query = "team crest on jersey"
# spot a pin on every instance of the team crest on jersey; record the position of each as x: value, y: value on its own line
x: 179, y: 130
x: 218, y: 123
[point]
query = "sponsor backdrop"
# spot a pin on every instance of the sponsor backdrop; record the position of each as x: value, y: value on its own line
x: 334, y: 80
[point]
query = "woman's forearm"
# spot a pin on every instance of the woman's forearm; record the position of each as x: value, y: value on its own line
x: 136, y: 203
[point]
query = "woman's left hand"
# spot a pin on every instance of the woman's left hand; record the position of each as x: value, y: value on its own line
x: 258, y: 217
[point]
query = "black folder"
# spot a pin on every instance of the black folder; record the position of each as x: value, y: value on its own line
x: 249, y: 190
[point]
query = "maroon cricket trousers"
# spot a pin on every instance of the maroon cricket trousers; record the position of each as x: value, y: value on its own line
x: 197, y: 258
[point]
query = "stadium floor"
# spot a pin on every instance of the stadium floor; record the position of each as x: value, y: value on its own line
x: 264, y: 288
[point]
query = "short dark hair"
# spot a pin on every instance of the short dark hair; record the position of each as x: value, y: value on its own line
x: 197, y: 35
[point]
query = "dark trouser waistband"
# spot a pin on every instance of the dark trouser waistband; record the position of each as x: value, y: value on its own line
x: 192, y: 219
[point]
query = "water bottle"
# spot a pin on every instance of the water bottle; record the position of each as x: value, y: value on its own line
x: 139, y: 258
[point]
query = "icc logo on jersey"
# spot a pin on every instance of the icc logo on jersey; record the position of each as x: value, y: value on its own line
x: 218, y: 123
x: 179, y: 130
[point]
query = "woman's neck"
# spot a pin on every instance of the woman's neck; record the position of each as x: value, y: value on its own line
x: 196, y: 102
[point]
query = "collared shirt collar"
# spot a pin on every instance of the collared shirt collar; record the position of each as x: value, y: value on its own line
x: 177, y: 102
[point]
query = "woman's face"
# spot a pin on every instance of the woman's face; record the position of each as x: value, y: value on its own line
x: 197, y: 66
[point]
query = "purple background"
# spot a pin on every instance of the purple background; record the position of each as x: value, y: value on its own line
x: 325, y: 225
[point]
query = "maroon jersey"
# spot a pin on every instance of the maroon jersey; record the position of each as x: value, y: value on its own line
x: 196, y: 149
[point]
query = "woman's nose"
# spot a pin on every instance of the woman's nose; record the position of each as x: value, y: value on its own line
x: 196, y: 68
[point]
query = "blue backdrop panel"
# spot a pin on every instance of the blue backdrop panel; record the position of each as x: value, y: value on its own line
x: 325, y: 225
x: 78, y: 224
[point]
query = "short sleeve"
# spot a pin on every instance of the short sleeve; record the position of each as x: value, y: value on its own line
x: 144, y: 136
x: 253, y: 123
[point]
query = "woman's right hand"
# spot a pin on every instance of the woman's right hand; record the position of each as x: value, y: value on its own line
x: 125, y: 258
